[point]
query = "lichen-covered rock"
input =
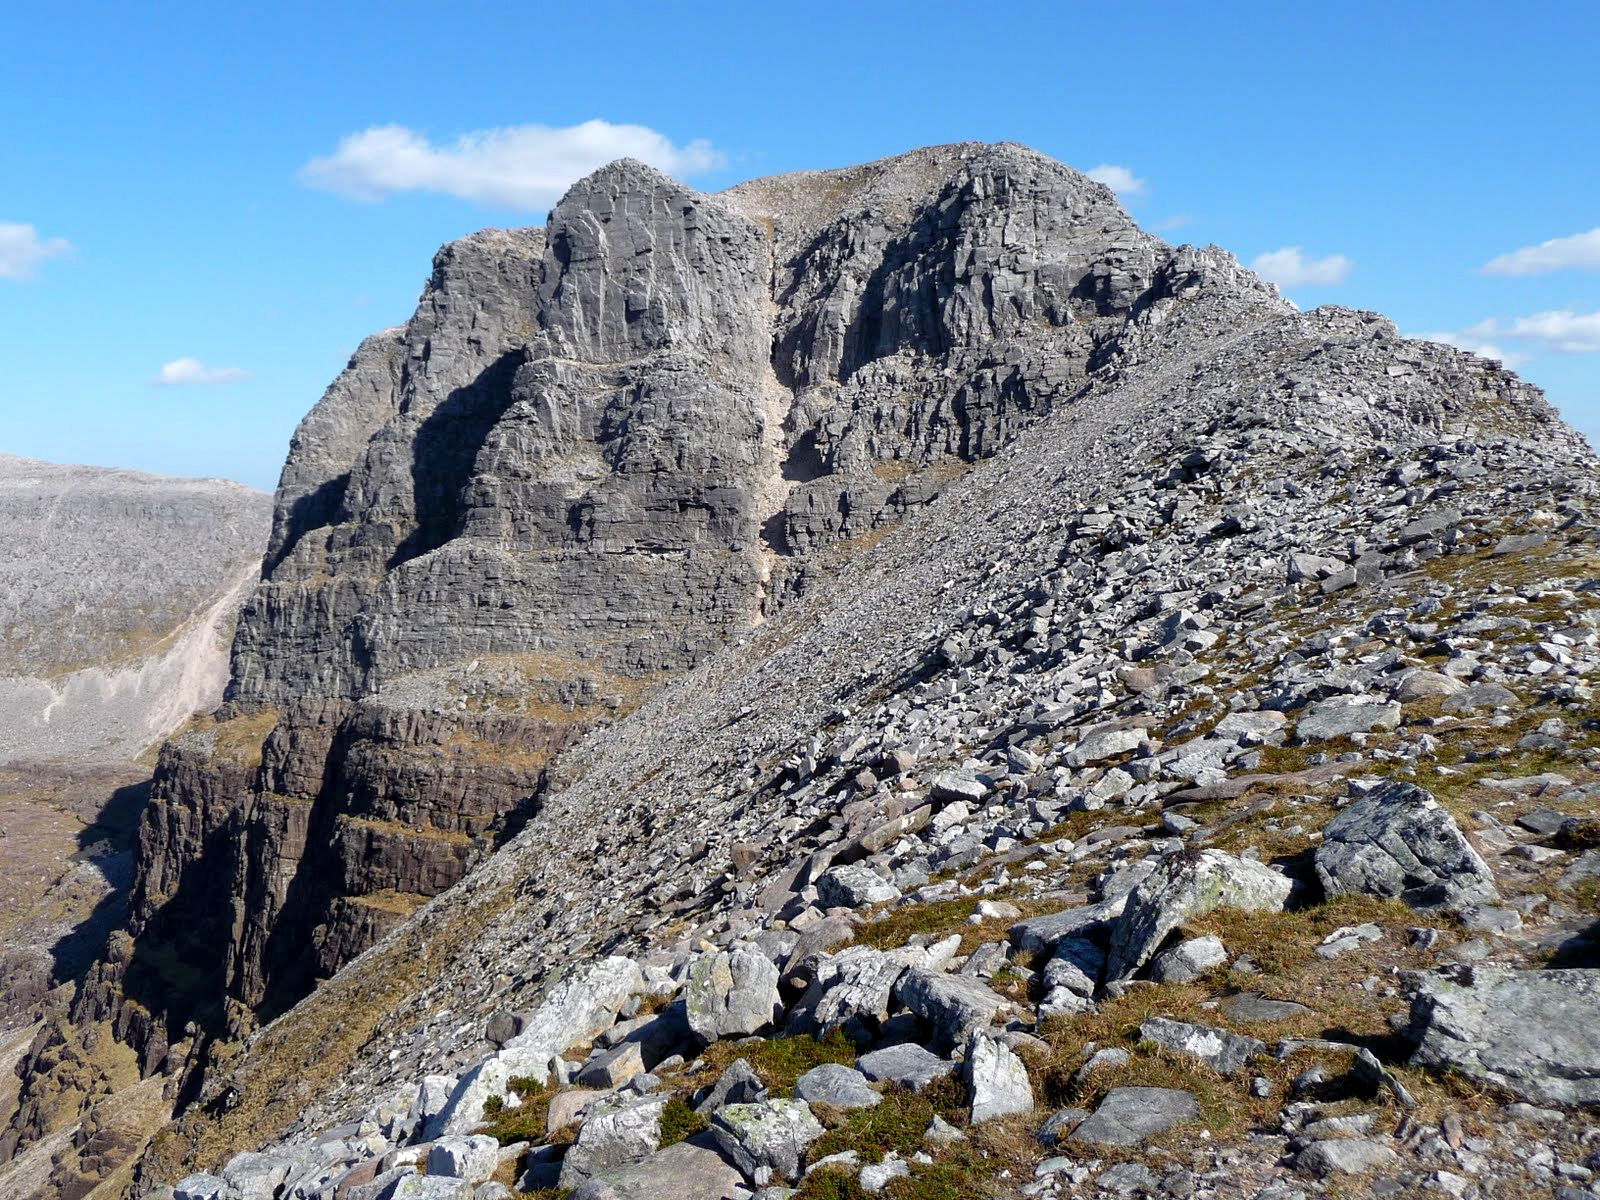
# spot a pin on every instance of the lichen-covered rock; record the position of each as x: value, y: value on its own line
x: 1225, y: 1053
x: 1531, y: 1032
x: 954, y: 1005
x: 732, y: 993
x: 996, y: 1078
x: 615, y: 1131
x: 768, y: 1140
x: 1397, y: 841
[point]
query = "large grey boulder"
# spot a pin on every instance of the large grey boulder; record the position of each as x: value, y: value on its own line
x: 738, y: 1084
x: 732, y: 993
x: 768, y: 1140
x: 575, y: 1009
x: 996, y: 1078
x: 1340, y: 716
x: 620, y: 1130
x: 472, y: 1158
x: 849, y: 990
x: 257, y: 1176
x: 1185, y: 886
x: 688, y: 1170
x: 1131, y: 1116
x: 1531, y: 1032
x: 837, y: 1086
x: 907, y: 1064
x: 202, y: 1185
x: 854, y: 887
x: 955, y: 1005
x: 1188, y: 960
x: 1398, y: 841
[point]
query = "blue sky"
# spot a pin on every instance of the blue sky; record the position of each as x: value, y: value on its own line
x: 164, y: 213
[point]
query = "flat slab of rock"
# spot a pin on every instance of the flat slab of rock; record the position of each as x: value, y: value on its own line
x: 1131, y: 1116
x: 1345, y: 1156
x: 1225, y: 1053
x: 837, y: 1086
x: 691, y: 1170
x: 1340, y: 716
x: 1252, y: 1007
x: 1532, y: 1032
x: 908, y: 1064
x: 1398, y: 841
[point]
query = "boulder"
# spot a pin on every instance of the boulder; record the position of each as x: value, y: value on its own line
x: 1185, y: 886
x: 767, y: 1140
x: 908, y: 1065
x: 1345, y: 1156
x: 1131, y: 1116
x: 955, y: 1005
x: 849, y: 990
x: 257, y: 1176
x: 1102, y: 745
x: 200, y: 1186
x: 996, y: 1078
x: 738, y: 1084
x: 1188, y: 960
x: 616, y: 1131
x: 474, y: 1158
x: 732, y: 993
x: 1423, y: 685
x: 837, y: 1086
x: 1530, y: 1032
x: 1398, y: 841
x: 1340, y: 716
x: 1225, y: 1053
x: 854, y: 887
x: 575, y: 1009
x: 691, y: 1170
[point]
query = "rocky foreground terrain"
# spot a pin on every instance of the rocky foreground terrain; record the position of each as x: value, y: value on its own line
x: 879, y: 682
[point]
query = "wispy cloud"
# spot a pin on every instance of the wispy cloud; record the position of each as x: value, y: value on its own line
x: 1580, y: 252
x: 188, y: 372
x: 22, y: 250
x: 1290, y: 267
x: 1175, y: 221
x: 519, y: 166
x: 1561, y: 330
x: 1120, y: 180
x: 1476, y: 345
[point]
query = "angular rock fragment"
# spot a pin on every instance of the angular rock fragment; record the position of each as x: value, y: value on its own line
x: 837, y: 1086
x: 1397, y: 841
x: 1225, y: 1053
x: 954, y: 1005
x: 1131, y: 1116
x: 623, y: 1129
x: 768, y: 1140
x: 854, y: 887
x: 732, y: 993
x: 1185, y: 886
x: 996, y: 1078
x: 907, y: 1064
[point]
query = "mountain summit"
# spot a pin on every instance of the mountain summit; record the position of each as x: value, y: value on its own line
x: 911, y: 617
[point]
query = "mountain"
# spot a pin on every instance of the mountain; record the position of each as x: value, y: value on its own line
x: 881, y: 611
x: 117, y: 597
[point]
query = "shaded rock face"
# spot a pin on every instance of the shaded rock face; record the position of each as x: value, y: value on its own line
x: 596, y: 453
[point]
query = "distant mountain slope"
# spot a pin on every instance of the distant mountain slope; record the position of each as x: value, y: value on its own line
x: 117, y: 596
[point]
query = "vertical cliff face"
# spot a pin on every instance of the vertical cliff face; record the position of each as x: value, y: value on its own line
x: 596, y: 453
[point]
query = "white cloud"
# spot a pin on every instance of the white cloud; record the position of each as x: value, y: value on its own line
x: 1562, y: 330
x: 519, y: 166
x: 22, y: 250
x: 1120, y: 180
x: 1580, y: 252
x: 183, y: 372
x: 1289, y: 267
x: 1175, y: 221
x: 1476, y: 345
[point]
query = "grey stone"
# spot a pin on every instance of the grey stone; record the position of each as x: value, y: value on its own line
x: 1340, y: 716
x: 688, y: 1170
x: 766, y: 1140
x: 1188, y: 960
x: 854, y: 887
x: 616, y: 1131
x: 732, y: 993
x: 1131, y: 1116
x: 1397, y: 841
x: 1346, y: 1156
x: 738, y: 1084
x: 954, y: 1005
x: 996, y: 1078
x: 877, y: 1176
x: 837, y: 1086
x: 907, y: 1064
x: 1531, y: 1032
x: 473, y: 1158
x: 200, y: 1186
x: 1184, y: 887
x: 1226, y: 1053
